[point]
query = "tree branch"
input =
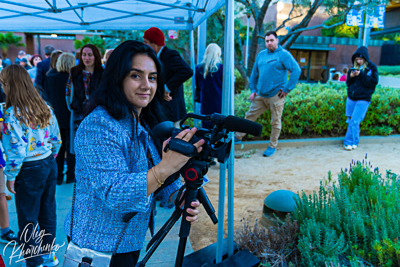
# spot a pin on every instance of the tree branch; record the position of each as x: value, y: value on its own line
x: 339, y: 3
x: 289, y: 19
x: 253, y: 8
x: 323, y: 25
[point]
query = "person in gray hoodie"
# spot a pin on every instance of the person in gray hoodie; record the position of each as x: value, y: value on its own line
x: 269, y: 86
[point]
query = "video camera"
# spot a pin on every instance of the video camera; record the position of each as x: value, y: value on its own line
x: 217, y: 145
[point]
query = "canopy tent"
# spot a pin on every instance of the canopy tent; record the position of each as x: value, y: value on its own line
x: 54, y: 15
x: 48, y: 15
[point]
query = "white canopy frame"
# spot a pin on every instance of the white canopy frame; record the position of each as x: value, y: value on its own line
x: 41, y: 15
x: 55, y: 15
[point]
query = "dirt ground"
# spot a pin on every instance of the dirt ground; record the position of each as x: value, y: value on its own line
x: 295, y: 169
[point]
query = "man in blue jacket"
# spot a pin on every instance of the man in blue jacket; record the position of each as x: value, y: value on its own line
x: 43, y: 67
x: 269, y: 86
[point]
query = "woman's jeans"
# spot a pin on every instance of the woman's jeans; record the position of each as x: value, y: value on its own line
x: 35, y: 200
x: 355, y: 113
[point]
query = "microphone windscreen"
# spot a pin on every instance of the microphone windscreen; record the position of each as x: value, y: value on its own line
x: 163, y: 129
x: 236, y: 124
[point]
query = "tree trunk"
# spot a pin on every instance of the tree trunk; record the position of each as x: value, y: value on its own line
x: 258, y: 29
x: 242, y: 72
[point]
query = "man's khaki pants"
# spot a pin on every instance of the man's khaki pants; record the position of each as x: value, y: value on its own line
x: 258, y: 106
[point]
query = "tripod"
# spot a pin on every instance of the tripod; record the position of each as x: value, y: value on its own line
x: 192, y: 173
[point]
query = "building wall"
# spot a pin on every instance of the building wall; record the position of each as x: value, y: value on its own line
x: 392, y: 18
x: 66, y: 45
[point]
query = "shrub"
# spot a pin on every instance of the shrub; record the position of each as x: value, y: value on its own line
x: 356, y: 221
x: 277, y: 245
x: 316, y: 109
x: 239, y: 82
x: 389, y: 70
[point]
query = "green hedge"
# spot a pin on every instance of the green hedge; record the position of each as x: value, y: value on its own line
x: 316, y: 109
x: 319, y: 110
x: 389, y: 70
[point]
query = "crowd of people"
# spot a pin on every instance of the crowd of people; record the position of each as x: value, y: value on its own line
x: 96, y: 114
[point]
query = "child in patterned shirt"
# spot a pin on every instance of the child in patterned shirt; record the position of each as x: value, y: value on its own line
x: 31, y: 140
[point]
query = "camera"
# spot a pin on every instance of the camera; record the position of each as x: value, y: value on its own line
x: 217, y: 143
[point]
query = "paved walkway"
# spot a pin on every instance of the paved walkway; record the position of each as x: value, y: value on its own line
x: 389, y: 81
x: 164, y: 255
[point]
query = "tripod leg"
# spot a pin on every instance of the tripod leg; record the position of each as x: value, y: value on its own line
x: 154, y: 243
x: 203, y: 198
x: 190, y: 196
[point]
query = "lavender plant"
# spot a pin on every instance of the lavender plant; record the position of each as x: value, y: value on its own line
x: 354, y: 222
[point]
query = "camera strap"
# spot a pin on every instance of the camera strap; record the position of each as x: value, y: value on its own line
x: 181, y: 146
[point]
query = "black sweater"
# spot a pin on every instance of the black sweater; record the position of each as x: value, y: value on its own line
x: 362, y: 87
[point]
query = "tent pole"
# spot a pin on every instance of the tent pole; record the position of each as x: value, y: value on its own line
x: 192, y: 62
x: 227, y: 109
x: 230, y: 76
x: 247, y: 41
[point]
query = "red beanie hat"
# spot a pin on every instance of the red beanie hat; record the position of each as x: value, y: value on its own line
x: 155, y: 35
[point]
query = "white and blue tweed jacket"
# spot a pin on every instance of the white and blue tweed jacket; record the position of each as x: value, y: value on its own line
x: 111, y: 171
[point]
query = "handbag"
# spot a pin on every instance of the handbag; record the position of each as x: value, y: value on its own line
x: 76, y: 256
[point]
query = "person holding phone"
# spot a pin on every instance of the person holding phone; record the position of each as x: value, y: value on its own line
x: 362, y: 79
x: 269, y: 86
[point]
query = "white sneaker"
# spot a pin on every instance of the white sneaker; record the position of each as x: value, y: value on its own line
x: 348, y: 147
x: 50, y: 260
x: 354, y: 147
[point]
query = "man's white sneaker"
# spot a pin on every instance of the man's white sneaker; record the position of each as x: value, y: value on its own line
x: 354, y: 147
x: 348, y: 147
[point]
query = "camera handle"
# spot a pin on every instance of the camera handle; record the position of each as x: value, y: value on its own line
x: 192, y: 173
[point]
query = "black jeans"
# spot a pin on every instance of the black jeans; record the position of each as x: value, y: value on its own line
x: 122, y: 259
x: 65, y: 147
x: 35, y: 200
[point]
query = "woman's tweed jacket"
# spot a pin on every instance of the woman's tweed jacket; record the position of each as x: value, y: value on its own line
x: 111, y: 171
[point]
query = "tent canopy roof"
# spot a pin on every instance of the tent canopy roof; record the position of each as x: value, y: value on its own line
x: 48, y: 15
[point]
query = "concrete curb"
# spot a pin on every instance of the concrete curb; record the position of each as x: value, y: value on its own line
x: 318, y: 142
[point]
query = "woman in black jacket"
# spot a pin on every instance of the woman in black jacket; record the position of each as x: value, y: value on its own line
x: 361, y: 82
x: 84, y: 79
x: 56, y: 82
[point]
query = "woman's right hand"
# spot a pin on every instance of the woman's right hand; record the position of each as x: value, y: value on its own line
x: 354, y: 73
x: 173, y: 161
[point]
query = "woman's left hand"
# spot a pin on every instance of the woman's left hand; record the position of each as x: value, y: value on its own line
x: 193, y: 211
